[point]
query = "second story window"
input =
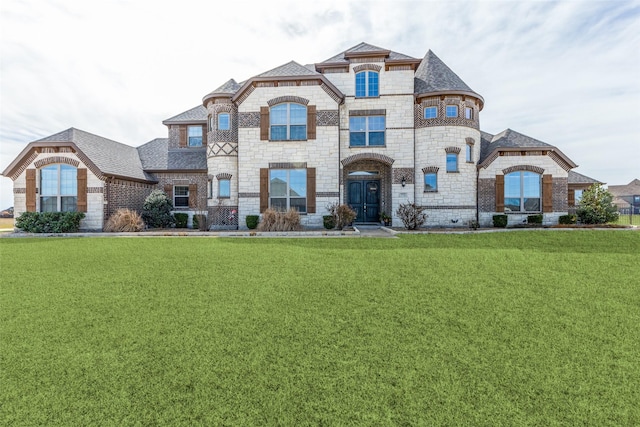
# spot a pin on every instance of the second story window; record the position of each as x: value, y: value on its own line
x: 366, y: 130
x: 468, y: 113
x: 367, y: 84
x: 431, y: 112
x: 288, y: 122
x: 452, y: 111
x: 195, y: 136
x: 224, y: 121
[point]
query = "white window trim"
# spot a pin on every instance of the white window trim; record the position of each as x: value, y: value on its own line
x: 181, y: 196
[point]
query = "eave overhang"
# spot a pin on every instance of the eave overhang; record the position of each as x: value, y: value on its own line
x: 564, y: 161
x: 442, y: 93
x: 275, y: 79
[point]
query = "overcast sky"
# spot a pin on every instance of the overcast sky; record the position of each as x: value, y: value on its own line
x: 566, y: 72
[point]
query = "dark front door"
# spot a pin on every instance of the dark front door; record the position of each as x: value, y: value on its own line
x: 364, y: 198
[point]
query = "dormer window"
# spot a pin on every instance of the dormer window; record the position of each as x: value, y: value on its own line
x: 194, y: 136
x: 367, y: 84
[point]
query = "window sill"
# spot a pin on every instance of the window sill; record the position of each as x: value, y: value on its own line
x: 224, y: 197
x: 430, y: 191
x: 453, y: 171
x: 288, y: 140
x: 368, y: 146
x: 470, y: 162
x: 522, y: 212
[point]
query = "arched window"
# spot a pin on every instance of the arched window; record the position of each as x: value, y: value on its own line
x: 288, y: 122
x: 522, y: 192
x: 367, y: 84
x: 58, y: 188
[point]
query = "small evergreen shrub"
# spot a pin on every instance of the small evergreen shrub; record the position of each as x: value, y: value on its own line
x: 596, y: 206
x: 534, y: 219
x: 273, y: 220
x: 181, y: 219
x: 328, y: 222
x: 500, y: 220
x: 124, y: 220
x: 252, y: 221
x: 567, y: 219
x: 156, y: 211
x: 411, y: 215
x: 49, y: 222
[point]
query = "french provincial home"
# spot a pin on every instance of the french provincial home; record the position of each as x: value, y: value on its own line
x: 368, y: 127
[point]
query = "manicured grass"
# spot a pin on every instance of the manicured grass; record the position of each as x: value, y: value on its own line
x: 628, y: 220
x: 503, y: 329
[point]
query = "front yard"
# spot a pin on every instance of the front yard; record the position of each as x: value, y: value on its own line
x: 533, y: 327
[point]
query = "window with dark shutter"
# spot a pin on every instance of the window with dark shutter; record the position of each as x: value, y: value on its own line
x: 31, y: 190
x: 499, y: 193
x: 82, y: 190
x: 547, y: 193
x: 264, y: 189
x: 311, y: 190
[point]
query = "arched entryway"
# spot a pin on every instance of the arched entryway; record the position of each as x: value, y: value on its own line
x: 367, y: 185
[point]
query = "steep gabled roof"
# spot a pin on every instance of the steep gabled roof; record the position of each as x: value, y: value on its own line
x: 365, y: 49
x: 510, y: 140
x: 577, y: 178
x: 289, y: 69
x: 226, y: 90
x: 156, y: 156
x: 196, y: 114
x: 434, y: 77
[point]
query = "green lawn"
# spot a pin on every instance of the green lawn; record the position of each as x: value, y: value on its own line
x: 523, y: 328
x: 628, y: 220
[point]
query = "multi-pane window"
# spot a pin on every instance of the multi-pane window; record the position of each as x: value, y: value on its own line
x: 522, y: 192
x: 468, y: 113
x: 58, y: 188
x: 452, y: 162
x: 430, y: 181
x: 367, y: 84
x: 366, y: 130
x: 452, y: 111
x: 288, y: 189
x: 431, y: 112
x: 224, y: 121
x: 288, y: 122
x: 181, y: 196
x: 195, y: 136
x: 224, y: 188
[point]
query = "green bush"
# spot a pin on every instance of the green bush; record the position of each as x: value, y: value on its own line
x: 567, y: 219
x: 328, y: 222
x: 181, y: 219
x: 252, y: 221
x: 500, y: 220
x: 534, y: 219
x: 49, y: 222
x: 596, y: 206
x: 156, y: 211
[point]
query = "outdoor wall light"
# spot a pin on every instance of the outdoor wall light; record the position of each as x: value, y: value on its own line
x: 404, y: 181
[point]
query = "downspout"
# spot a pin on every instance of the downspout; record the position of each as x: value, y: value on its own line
x: 477, y: 198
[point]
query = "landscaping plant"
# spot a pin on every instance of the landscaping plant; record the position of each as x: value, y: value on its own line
x: 342, y: 215
x: 156, y: 211
x: 124, y: 220
x: 49, y: 222
x: 596, y: 206
x: 273, y: 220
x: 411, y: 215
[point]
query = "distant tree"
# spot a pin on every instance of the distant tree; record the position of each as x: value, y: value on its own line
x: 156, y: 211
x: 596, y: 206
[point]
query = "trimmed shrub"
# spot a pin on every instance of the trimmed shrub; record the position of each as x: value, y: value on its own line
x: 567, y: 219
x: 500, y: 221
x: 342, y: 215
x: 252, y: 221
x: 273, y: 220
x: 181, y: 219
x: 156, y: 211
x: 534, y: 219
x: 124, y: 220
x: 49, y: 222
x: 411, y: 215
x: 328, y: 222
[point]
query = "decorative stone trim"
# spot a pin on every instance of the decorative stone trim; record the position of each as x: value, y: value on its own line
x: 19, y: 190
x: 359, y: 113
x: 328, y: 118
x: 223, y: 149
x: 556, y: 158
x: 328, y: 194
x: 223, y: 176
x: 470, y: 141
x: 249, y: 120
x: 436, y: 207
x: 331, y: 93
x: 288, y: 98
x: 528, y: 168
x: 399, y: 68
x: 398, y: 173
x: 288, y: 165
x: 367, y: 59
x: 449, y: 150
x: 23, y: 166
x: 430, y: 169
x: 490, y: 159
x: 249, y: 195
x: 368, y: 156
x: 95, y: 190
x: 365, y: 67
x: 57, y: 159
x: 442, y: 120
x: 245, y: 95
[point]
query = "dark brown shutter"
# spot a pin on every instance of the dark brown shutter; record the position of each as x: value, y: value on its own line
x: 193, y: 196
x: 31, y: 190
x: 311, y: 122
x: 311, y: 190
x: 168, y: 188
x: 264, y: 189
x: 571, y: 197
x: 82, y: 190
x: 183, y: 136
x: 204, y: 135
x: 264, y: 123
x: 499, y: 193
x: 547, y: 193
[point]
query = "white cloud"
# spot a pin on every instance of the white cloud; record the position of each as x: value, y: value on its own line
x: 563, y: 72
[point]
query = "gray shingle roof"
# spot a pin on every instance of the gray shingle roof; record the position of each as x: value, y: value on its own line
x: 578, y: 178
x: 110, y: 157
x: 362, y: 48
x: 194, y: 115
x: 289, y: 69
x: 433, y: 75
x: 227, y: 89
x: 156, y: 156
x: 630, y: 189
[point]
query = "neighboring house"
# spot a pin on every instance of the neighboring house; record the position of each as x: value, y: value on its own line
x: 368, y: 127
x: 627, y: 197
